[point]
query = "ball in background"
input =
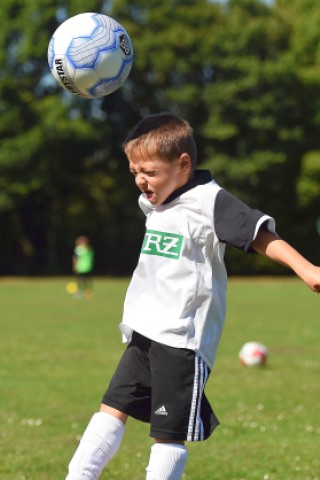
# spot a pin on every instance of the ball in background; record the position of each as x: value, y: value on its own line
x: 253, y: 354
x: 72, y: 287
x: 90, y: 55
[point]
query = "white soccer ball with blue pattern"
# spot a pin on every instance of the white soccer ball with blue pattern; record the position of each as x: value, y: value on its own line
x: 90, y: 55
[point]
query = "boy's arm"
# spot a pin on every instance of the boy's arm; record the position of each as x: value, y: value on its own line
x: 268, y: 244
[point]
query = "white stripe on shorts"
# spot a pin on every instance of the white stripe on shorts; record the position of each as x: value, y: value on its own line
x: 195, y: 427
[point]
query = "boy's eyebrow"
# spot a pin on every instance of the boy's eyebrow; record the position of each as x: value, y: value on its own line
x: 143, y: 169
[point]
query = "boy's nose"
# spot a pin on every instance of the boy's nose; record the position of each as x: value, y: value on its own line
x: 140, y: 180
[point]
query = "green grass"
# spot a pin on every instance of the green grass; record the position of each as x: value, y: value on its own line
x: 58, y: 353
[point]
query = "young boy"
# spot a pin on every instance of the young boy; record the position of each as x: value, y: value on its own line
x: 175, y: 305
x: 82, y: 265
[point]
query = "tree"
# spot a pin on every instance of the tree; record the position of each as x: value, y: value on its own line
x: 237, y: 71
x: 265, y: 110
x: 59, y: 167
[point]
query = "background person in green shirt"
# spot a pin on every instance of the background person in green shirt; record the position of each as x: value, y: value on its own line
x: 82, y: 263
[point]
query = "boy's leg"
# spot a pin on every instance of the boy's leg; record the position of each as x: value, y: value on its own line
x: 179, y: 409
x: 167, y: 461
x: 98, y: 445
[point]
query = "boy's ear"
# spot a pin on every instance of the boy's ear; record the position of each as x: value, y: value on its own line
x: 185, y: 163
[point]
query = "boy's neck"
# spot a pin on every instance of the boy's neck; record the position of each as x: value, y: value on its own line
x: 200, y: 177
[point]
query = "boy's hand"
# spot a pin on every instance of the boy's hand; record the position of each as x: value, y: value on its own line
x: 268, y: 244
x: 313, y: 279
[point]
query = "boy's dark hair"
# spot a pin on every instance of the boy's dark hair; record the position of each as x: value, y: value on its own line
x: 169, y: 135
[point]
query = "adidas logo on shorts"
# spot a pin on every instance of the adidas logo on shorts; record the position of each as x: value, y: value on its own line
x: 161, y: 411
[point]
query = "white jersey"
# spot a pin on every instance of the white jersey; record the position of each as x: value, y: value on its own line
x: 177, y: 295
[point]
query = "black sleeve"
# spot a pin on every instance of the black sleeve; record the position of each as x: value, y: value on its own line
x: 235, y: 222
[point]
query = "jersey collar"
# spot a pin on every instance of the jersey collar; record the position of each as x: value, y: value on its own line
x: 201, y: 177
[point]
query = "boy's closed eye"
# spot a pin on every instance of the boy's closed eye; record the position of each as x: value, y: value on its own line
x: 148, y: 173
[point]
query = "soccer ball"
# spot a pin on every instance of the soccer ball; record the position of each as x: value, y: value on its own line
x: 253, y: 354
x: 90, y: 55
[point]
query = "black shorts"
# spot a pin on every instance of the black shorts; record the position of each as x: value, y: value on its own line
x: 163, y: 386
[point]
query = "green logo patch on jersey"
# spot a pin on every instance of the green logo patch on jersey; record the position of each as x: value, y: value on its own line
x: 162, y: 244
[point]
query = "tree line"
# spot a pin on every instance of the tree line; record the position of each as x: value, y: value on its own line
x: 244, y: 73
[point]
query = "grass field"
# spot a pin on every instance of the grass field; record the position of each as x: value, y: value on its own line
x: 58, y: 353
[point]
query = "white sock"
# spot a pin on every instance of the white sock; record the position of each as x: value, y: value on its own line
x: 167, y: 461
x: 98, y: 445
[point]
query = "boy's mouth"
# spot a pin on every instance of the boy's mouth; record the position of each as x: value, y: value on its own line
x: 148, y: 194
